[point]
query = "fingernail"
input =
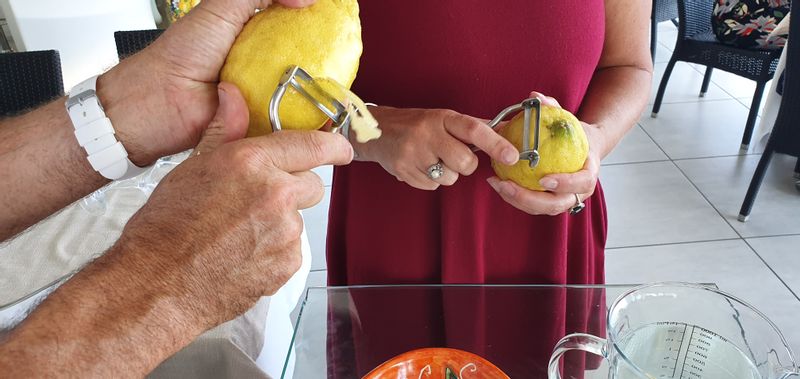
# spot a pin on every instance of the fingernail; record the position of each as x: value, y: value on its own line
x: 549, y: 184
x: 510, y: 156
x: 492, y: 182
x: 506, y: 189
x: 222, y: 94
x: 223, y: 99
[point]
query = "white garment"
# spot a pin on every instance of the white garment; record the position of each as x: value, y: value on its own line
x: 69, y: 240
x: 280, y: 326
x: 771, y: 106
x: 773, y: 102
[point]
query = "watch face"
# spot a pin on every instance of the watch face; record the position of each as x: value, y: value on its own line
x: 437, y: 363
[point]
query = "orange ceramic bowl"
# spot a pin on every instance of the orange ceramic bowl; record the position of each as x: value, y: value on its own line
x: 436, y: 363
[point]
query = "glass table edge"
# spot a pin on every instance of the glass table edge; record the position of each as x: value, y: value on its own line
x: 316, y: 288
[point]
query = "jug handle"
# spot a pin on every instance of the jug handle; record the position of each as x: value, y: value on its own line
x: 575, y: 341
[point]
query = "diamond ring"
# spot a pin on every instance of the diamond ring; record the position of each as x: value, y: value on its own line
x: 435, y: 171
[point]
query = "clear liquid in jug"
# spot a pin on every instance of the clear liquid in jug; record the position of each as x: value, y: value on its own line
x: 677, y: 350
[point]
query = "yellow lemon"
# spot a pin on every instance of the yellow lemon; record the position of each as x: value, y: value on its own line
x: 324, y: 39
x: 563, y: 148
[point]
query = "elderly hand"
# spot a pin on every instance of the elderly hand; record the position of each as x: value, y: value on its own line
x: 561, y: 188
x: 161, y: 99
x: 415, y: 139
x: 223, y: 228
x: 220, y: 231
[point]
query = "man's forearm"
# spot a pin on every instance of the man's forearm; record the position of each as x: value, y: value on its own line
x: 110, y: 320
x: 44, y: 168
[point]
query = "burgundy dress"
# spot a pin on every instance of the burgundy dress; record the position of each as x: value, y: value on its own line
x: 475, y: 57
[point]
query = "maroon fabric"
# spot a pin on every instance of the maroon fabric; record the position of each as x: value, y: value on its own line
x: 475, y: 57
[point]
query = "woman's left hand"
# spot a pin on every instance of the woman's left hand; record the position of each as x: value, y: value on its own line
x: 561, y: 188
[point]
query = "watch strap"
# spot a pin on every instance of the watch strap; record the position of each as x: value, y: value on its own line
x: 95, y: 133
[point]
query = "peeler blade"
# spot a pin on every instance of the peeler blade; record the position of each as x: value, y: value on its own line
x: 529, y: 153
x: 301, y: 81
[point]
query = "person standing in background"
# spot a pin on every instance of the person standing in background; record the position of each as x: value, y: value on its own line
x: 436, y: 80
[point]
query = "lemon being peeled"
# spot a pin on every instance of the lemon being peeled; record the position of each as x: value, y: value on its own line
x: 324, y: 39
x: 563, y: 148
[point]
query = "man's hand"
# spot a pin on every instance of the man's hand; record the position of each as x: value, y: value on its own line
x: 161, y: 99
x: 219, y: 232
x: 232, y: 211
x: 159, y: 102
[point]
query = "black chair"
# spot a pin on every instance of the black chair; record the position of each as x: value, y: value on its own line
x: 698, y: 44
x: 663, y: 10
x: 129, y: 42
x: 28, y: 80
x: 785, y: 137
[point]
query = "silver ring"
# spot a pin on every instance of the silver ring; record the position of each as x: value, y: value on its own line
x: 578, y: 207
x: 435, y: 171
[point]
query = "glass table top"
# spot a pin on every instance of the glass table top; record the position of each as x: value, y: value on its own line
x: 345, y: 332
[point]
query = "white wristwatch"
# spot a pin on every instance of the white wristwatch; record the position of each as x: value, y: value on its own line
x: 95, y: 133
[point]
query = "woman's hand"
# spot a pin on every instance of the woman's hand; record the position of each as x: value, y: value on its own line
x: 415, y: 139
x: 161, y: 99
x: 561, y: 188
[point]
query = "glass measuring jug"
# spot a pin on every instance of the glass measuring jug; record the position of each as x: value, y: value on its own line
x: 682, y: 330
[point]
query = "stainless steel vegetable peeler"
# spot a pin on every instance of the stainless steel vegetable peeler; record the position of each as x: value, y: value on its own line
x: 529, y: 153
x: 302, y: 82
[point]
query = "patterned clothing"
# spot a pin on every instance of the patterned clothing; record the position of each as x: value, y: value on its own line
x: 748, y: 23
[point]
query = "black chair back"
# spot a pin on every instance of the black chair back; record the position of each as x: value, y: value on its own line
x: 695, y: 16
x: 129, y: 42
x: 28, y: 80
x: 664, y: 10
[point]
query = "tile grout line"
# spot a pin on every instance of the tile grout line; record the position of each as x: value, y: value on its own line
x: 774, y: 236
x: 700, y: 241
x: 723, y: 88
x: 708, y: 200
x: 691, y: 182
x: 673, y: 161
x: 628, y: 163
x: 694, y: 185
x: 683, y: 159
x: 654, y: 141
x: 748, y: 105
x: 664, y: 45
x: 747, y: 155
x: 737, y: 232
x: 672, y: 243
x: 699, y: 100
x: 771, y: 269
x: 714, y: 81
